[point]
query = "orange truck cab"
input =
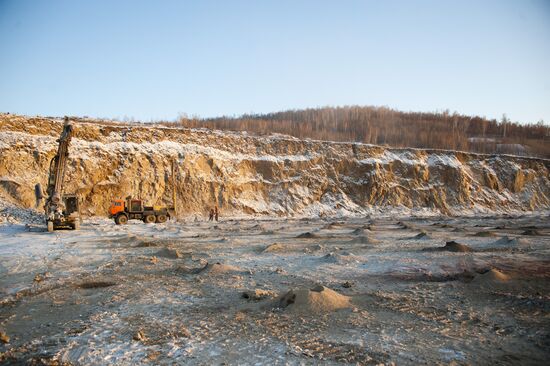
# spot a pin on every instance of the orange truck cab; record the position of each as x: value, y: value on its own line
x: 123, y: 210
x: 116, y: 207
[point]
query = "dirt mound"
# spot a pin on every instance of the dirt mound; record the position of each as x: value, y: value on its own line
x: 453, y: 246
x: 342, y: 257
x: 220, y: 268
x: 507, y: 241
x: 287, y: 248
x: 169, y: 253
x: 147, y: 244
x: 360, y: 231
x: 494, y: 276
x: 4, y: 338
x: 403, y: 225
x: 318, y: 299
x: 531, y: 232
x: 257, y: 294
x: 364, y: 240
x: 421, y: 236
x: 484, y: 234
x: 192, y: 270
x: 276, y: 248
x: 307, y: 235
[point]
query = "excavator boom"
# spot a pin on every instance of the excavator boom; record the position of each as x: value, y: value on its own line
x: 58, y: 166
x: 62, y: 210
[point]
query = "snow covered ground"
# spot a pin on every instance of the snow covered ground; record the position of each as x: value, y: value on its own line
x: 155, y: 294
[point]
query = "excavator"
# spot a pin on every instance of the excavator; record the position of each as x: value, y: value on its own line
x: 62, y: 210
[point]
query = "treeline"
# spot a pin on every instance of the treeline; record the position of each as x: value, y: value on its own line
x: 385, y: 126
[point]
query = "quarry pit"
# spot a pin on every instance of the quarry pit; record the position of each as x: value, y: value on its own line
x: 372, y: 290
x: 326, y: 252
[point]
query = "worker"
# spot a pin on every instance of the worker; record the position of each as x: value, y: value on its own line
x: 211, y: 217
x: 216, y: 212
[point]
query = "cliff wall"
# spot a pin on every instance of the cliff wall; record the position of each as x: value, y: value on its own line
x: 271, y: 175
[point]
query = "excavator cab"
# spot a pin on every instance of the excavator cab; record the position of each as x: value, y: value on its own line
x: 71, y: 204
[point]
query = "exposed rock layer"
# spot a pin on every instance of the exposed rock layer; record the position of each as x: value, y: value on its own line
x: 276, y: 175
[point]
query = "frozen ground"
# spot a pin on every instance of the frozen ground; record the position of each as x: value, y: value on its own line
x: 141, y: 294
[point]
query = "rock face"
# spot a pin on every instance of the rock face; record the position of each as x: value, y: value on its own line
x: 271, y: 175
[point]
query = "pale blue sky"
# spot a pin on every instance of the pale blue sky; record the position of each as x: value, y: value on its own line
x: 157, y: 59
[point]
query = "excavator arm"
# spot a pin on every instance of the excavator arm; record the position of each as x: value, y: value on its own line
x: 55, y: 207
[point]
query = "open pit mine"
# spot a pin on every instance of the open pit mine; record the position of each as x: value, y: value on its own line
x: 323, y: 252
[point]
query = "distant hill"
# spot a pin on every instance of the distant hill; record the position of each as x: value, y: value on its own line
x: 385, y: 126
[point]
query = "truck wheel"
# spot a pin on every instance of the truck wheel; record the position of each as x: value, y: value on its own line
x: 161, y: 218
x: 149, y: 219
x: 50, y: 226
x: 121, y: 220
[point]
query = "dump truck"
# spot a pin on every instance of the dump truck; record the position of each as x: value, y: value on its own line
x: 134, y: 209
x: 62, y: 210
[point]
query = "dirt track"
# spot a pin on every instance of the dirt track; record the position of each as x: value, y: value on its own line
x: 155, y: 293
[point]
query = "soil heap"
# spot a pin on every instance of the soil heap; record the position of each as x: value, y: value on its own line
x: 317, y: 299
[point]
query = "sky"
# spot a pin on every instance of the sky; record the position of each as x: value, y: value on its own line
x: 151, y: 60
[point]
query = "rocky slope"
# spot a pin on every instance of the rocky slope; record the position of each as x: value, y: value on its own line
x: 272, y: 174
